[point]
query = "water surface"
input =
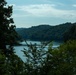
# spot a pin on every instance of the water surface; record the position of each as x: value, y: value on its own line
x: 18, y: 49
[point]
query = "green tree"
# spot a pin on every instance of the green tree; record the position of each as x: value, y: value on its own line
x: 10, y: 63
x: 61, y: 61
x: 7, y: 29
x: 35, y: 56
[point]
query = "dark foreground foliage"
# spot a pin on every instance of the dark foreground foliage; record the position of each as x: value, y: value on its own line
x: 8, y: 34
x: 58, y: 61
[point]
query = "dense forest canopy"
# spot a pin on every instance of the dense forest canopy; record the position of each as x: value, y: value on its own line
x: 44, y: 32
x: 71, y: 33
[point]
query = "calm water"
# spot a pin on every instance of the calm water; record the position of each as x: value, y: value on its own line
x: 18, y: 49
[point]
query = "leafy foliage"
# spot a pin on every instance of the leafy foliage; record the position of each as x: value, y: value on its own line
x: 61, y: 61
x: 58, y: 61
x: 10, y: 64
x: 35, y: 56
x: 8, y: 34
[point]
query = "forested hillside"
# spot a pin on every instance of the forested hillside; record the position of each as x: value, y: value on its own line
x: 44, y: 32
x: 70, y: 34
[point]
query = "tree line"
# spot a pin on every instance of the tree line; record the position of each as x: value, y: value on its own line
x: 44, y: 32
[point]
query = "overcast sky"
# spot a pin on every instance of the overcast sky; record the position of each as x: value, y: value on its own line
x: 27, y: 13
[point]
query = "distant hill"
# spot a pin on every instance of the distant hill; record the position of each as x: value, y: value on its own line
x: 70, y: 34
x: 44, y: 32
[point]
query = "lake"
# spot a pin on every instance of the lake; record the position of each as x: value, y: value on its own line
x: 18, y: 49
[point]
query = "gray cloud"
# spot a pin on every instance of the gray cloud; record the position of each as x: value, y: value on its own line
x: 45, y: 10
